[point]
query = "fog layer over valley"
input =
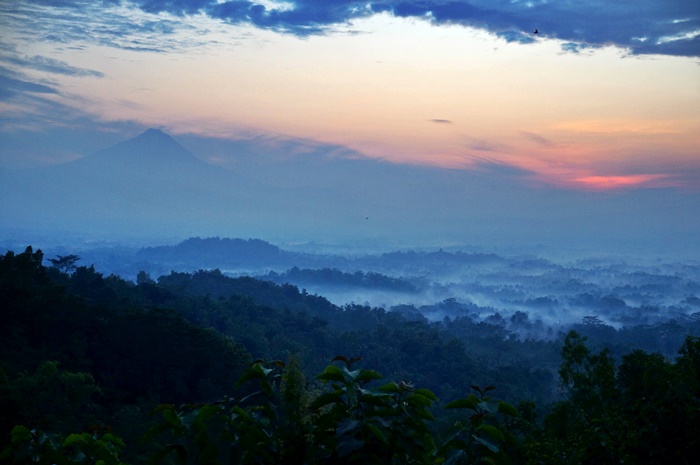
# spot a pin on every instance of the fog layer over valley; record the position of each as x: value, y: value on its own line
x: 520, y: 296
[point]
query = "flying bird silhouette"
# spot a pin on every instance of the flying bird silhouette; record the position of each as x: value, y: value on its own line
x: 535, y: 31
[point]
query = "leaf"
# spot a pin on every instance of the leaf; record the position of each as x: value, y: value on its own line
x: 389, y: 387
x: 20, y: 434
x: 425, y: 415
x: 368, y: 375
x: 506, y: 408
x: 351, y: 374
x: 490, y: 406
x: 470, y: 402
x: 171, y: 417
x: 492, y: 447
x: 347, y: 446
x: 158, y: 457
x: 118, y: 441
x: 325, y: 399
x: 153, y: 432
x: 492, y: 431
x: 340, y: 358
x: 420, y: 400
x: 346, y: 426
x: 331, y: 373
x: 74, y: 439
x: 241, y: 412
x: 378, y: 400
x: 427, y: 393
x: 456, y: 457
x: 254, y: 372
x: 208, y: 454
x: 377, y: 433
x: 161, y: 407
x: 207, y: 411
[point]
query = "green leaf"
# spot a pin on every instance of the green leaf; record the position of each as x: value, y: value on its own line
x: 241, y: 412
x: 208, y: 454
x: 420, y: 400
x: 331, y: 373
x: 377, y: 433
x: 207, y: 411
x: 254, y: 372
x: 380, y: 400
x: 425, y: 415
x: 162, y: 407
x: 74, y: 439
x: 389, y: 387
x: 153, y: 432
x: 20, y: 434
x: 171, y: 417
x: 368, y: 375
x: 426, y: 393
x: 325, y: 399
x: 470, y: 402
x: 158, y: 457
x: 491, y: 431
x: 506, y: 408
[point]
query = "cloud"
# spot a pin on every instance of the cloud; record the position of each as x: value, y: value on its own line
x: 642, y: 27
x: 597, y: 182
x: 577, y: 48
x: 50, y: 65
x: 12, y: 86
x: 109, y: 23
x: 516, y: 36
x: 539, y: 140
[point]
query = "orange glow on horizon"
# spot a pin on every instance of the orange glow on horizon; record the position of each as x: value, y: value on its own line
x: 621, y: 182
x: 629, y: 126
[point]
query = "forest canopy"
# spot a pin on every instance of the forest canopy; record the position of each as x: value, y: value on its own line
x: 94, y: 364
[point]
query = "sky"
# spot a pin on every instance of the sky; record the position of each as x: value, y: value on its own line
x: 605, y: 96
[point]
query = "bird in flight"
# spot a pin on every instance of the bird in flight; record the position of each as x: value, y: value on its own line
x: 536, y: 31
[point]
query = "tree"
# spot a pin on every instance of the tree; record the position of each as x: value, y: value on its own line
x: 144, y: 278
x: 65, y: 263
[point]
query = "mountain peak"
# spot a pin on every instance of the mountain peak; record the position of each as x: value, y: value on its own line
x: 153, y: 137
x: 153, y: 133
x: 151, y: 150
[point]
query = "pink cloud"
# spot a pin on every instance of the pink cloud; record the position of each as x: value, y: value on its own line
x: 597, y: 182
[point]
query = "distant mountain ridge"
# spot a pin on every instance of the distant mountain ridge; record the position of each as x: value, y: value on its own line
x: 148, y: 184
x: 214, y: 250
x: 151, y: 149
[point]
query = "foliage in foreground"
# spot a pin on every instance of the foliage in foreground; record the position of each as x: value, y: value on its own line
x: 346, y: 423
x: 644, y: 411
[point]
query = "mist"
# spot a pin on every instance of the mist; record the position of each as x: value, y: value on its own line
x: 293, y: 191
